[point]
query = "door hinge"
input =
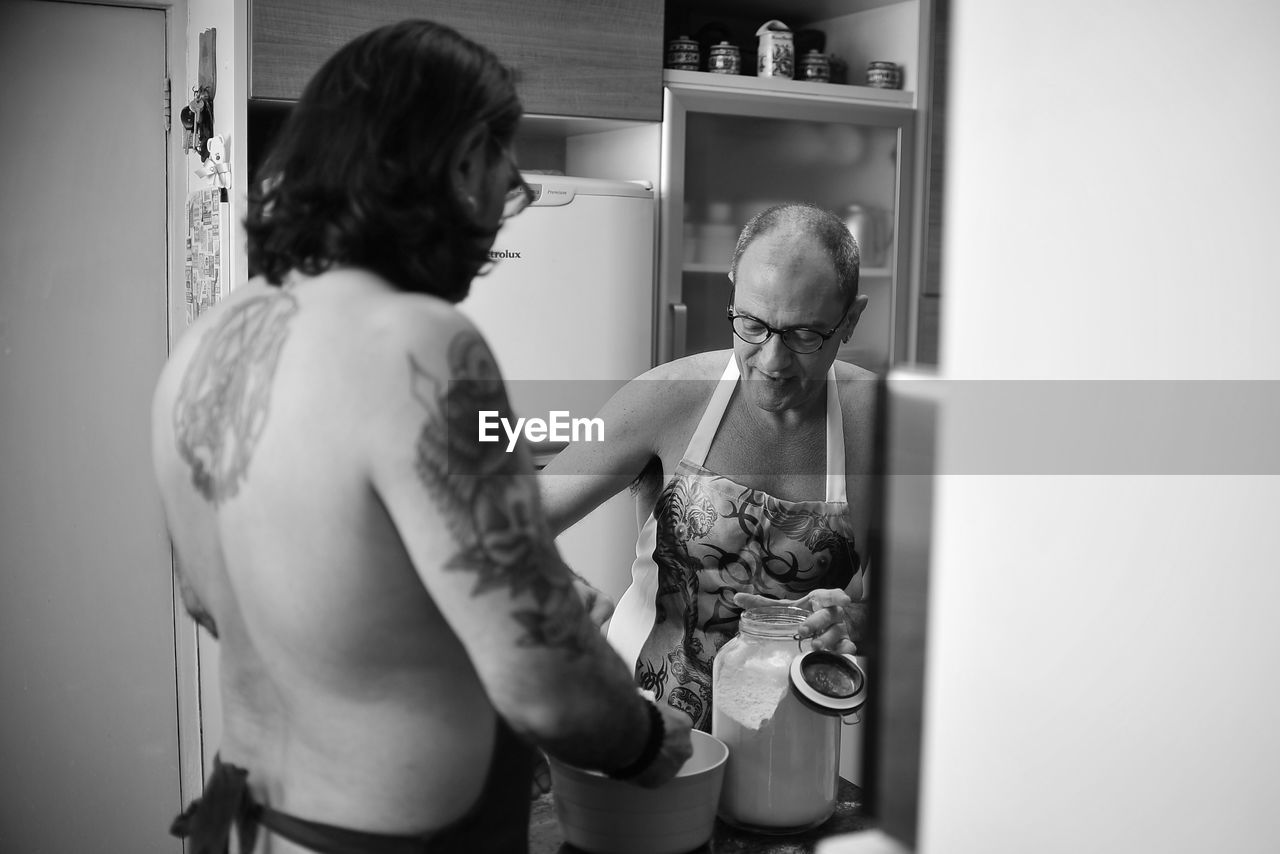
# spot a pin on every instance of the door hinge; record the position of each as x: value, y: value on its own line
x: 168, y: 105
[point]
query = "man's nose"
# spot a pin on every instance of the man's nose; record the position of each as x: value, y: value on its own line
x: 774, y: 355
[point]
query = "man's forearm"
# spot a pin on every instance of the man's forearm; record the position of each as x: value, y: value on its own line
x: 587, y: 712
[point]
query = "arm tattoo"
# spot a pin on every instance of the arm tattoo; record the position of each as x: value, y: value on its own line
x: 221, y: 407
x: 488, y: 502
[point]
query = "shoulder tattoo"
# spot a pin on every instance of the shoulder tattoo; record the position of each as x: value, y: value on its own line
x: 225, y: 395
x: 488, y: 502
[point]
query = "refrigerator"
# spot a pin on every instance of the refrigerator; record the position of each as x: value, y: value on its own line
x: 568, y: 311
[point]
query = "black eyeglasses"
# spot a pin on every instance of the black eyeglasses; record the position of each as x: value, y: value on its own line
x: 798, y: 339
x: 521, y: 195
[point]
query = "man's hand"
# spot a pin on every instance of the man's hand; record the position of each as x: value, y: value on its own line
x: 676, y: 749
x: 836, y: 623
x: 599, y: 606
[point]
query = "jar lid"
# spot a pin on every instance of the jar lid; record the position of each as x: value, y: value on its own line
x: 828, y: 682
x: 773, y: 26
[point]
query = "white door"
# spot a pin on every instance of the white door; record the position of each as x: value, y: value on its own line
x: 88, y: 742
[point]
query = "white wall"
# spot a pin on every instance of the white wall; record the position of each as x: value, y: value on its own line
x: 1103, y: 645
x: 230, y: 19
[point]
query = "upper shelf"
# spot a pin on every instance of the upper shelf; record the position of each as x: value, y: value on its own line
x: 802, y: 13
x: 770, y: 97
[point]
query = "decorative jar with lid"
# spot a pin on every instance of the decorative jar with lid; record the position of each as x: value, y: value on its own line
x: 683, y: 54
x: 816, y: 67
x: 776, y: 50
x: 725, y: 58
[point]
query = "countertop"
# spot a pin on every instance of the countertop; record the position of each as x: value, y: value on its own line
x: 545, y: 836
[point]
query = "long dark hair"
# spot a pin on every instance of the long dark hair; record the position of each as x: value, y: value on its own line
x: 359, y: 173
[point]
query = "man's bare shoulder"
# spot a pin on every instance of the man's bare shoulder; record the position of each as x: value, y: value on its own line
x: 665, y: 394
x: 700, y: 366
x: 199, y: 351
x: 849, y: 371
x: 859, y: 391
x: 685, y: 378
x: 364, y: 331
x: 858, y: 386
x: 397, y: 323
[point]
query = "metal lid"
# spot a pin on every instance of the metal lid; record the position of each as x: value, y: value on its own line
x: 829, y: 682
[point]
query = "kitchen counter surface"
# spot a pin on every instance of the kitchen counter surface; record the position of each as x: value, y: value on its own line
x: 545, y: 836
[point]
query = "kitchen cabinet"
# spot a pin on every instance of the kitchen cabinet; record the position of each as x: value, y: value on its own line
x: 601, y: 59
x: 734, y: 144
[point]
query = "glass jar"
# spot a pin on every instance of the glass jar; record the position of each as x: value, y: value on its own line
x: 784, y: 757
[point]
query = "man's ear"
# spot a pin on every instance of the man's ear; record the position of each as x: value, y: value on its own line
x: 467, y: 169
x: 855, y: 312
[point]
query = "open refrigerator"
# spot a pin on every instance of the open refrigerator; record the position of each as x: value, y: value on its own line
x: 735, y: 145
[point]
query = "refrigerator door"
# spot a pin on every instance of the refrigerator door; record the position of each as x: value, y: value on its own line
x: 733, y: 146
x: 570, y: 296
x: 568, y: 312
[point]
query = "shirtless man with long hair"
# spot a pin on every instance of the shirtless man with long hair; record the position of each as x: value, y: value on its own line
x: 397, y: 631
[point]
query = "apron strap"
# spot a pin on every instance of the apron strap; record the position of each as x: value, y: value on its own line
x: 835, y: 441
x: 700, y: 441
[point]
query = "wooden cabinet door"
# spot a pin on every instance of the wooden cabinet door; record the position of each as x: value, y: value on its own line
x: 598, y: 59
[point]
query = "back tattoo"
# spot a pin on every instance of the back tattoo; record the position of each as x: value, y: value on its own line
x: 225, y: 395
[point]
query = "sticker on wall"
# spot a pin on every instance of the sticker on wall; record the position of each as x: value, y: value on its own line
x: 205, y: 213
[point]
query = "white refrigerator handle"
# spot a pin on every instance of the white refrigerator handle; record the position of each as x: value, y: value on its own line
x: 679, y: 329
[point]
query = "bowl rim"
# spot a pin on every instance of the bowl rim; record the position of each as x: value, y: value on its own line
x: 714, y: 743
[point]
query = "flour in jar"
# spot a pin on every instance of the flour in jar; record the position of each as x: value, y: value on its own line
x: 752, y: 699
x: 783, y: 757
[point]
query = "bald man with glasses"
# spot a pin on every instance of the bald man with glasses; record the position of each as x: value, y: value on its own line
x: 753, y: 465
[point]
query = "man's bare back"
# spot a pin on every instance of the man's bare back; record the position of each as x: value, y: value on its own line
x: 372, y: 605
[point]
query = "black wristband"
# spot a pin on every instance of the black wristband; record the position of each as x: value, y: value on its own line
x: 657, y: 733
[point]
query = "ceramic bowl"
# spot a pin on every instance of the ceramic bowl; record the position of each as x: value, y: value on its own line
x: 605, y: 816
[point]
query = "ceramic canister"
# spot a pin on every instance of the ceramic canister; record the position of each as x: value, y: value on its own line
x: 725, y: 59
x: 776, y: 56
x: 884, y: 75
x: 815, y: 66
x: 684, y: 54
